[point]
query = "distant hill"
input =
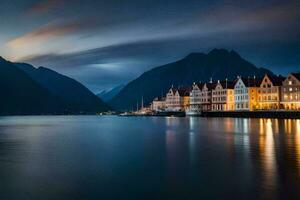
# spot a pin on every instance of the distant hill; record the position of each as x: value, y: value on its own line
x: 27, y: 90
x: 107, y: 95
x: 217, y: 64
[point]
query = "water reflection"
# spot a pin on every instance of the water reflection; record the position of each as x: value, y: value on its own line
x: 268, y: 156
x: 173, y: 158
x: 192, y: 139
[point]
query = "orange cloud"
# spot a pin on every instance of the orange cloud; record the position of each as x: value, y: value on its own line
x: 43, y: 34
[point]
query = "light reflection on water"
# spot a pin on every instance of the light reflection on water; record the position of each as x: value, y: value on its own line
x: 158, y: 158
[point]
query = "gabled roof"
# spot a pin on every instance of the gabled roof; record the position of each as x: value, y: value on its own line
x: 252, y: 81
x: 227, y: 84
x: 211, y: 86
x: 184, y: 91
x: 173, y: 90
x: 200, y: 85
x: 296, y: 75
x: 276, y: 80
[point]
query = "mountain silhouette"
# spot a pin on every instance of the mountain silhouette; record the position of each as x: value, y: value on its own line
x: 107, y: 95
x: 27, y: 90
x: 218, y: 64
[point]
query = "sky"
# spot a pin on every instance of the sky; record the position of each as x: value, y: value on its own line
x: 104, y: 43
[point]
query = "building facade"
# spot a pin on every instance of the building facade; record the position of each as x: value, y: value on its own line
x: 223, y: 96
x: 183, y: 94
x: 269, y: 93
x: 158, y: 104
x: 195, y: 97
x: 206, y: 96
x: 171, y: 100
x: 178, y: 99
x: 290, y: 98
x: 245, y: 93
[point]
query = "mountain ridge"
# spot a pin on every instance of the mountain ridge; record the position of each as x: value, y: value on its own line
x: 107, y: 95
x: 195, y: 67
x: 30, y: 90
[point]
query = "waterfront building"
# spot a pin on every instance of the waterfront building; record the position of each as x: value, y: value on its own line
x: 290, y: 98
x: 195, y: 97
x: 269, y: 92
x: 184, y: 98
x: 206, y: 94
x: 223, y: 96
x: 158, y: 104
x: 245, y: 93
x: 178, y: 99
x: 171, y: 100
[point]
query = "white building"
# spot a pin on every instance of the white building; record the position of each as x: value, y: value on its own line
x: 245, y: 93
x: 158, y: 104
x: 195, y: 97
x: 206, y: 96
x: 171, y: 99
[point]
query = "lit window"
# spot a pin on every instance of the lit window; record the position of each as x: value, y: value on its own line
x: 290, y: 89
x: 290, y: 82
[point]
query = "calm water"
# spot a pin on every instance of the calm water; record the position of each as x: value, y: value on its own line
x: 89, y: 157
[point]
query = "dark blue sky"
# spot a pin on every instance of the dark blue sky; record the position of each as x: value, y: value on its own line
x: 106, y: 43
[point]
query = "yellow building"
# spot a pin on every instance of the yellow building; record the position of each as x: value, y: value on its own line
x: 223, y: 96
x: 269, y: 92
x: 184, y: 94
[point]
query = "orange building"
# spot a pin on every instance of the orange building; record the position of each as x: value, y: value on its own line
x: 269, y: 92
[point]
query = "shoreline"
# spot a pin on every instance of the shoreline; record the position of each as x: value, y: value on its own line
x: 232, y: 114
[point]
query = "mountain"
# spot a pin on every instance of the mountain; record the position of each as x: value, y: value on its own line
x: 107, y: 95
x: 28, y: 90
x: 23, y: 95
x: 69, y: 90
x: 217, y: 64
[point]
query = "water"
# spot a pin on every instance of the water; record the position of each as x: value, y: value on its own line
x: 91, y: 157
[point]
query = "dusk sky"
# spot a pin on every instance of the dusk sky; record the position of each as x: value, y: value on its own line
x: 106, y: 43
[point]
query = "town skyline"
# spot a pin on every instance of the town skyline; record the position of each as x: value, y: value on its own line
x: 268, y: 93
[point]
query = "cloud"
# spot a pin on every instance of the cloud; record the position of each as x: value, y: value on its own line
x: 118, y: 41
x: 43, y: 34
x: 105, y: 67
x: 45, y: 6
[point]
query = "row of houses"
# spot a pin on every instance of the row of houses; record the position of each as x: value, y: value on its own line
x: 250, y: 93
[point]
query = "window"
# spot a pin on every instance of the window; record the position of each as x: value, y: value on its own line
x: 290, y: 89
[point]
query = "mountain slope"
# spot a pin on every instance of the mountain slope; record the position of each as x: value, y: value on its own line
x: 218, y: 64
x: 22, y: 95
x: 26, y: 90
x: 77, y: 96
x: 107, y: 95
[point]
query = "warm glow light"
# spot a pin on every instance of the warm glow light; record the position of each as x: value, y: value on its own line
x: 297, y: 143
x: 267, y: 151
